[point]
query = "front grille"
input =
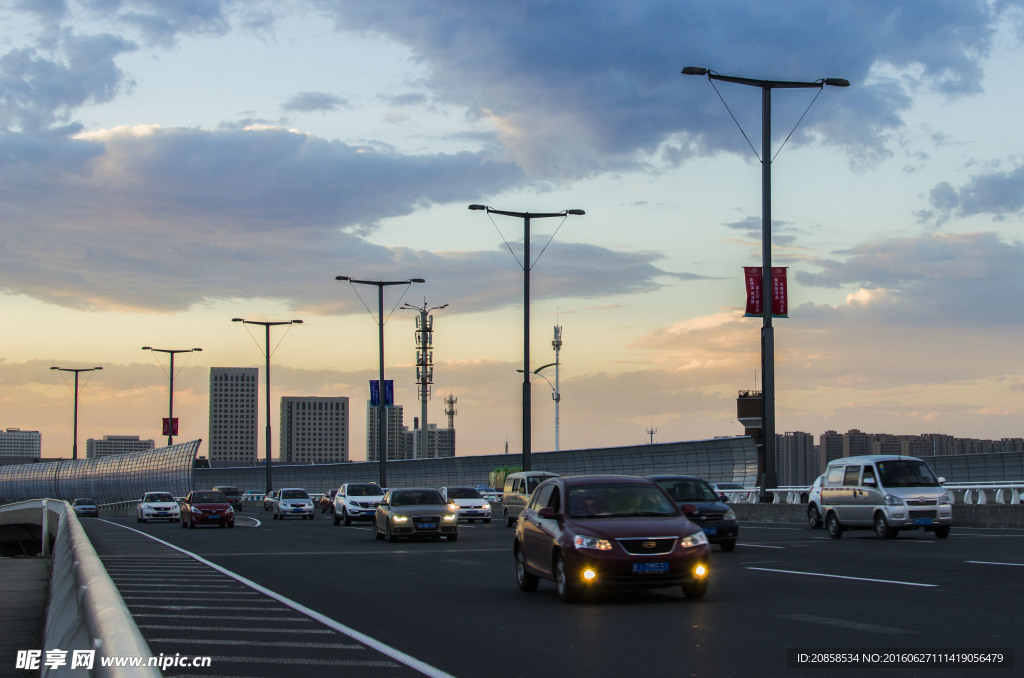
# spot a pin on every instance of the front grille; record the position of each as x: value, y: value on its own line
x: 648, y: 546
x: 922, y: 502
x: 922, y: 514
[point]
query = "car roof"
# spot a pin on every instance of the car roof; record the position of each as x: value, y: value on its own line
x: 674, y: 476
x: 864, y: 458
x: 606, y: 479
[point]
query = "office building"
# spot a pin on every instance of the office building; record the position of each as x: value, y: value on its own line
x: 110, y: 445
x: 234, y: 395
x: 440, y: 442
x: 399, y: 446
x: 313, y: 429
x: 797, y: 458
x: 18, y: 444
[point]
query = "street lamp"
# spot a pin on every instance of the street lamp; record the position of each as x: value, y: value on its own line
x: 170, y: 408
x: 382, y: 429
x: 526, y: 217
x: 767, y: 472
x: 424, y: 365
x: 77, y: 371
x: 267, y: 325
x: 555, y: 395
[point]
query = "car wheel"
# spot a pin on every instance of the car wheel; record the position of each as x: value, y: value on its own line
x: 337, y: 520
x: 231, y: 525
x: 728, y: 545
x: 508, y: 519
x: 452, y: 537
x: 390, y: 537
x: 487, y: 520
x: 346, y: 517
x: 695, y: 588
x: 942, y: 531
x: 183, y: 523
x: 377, y: 534
x: 882, y: 529
x: 221, y: 526
x: 832, y: 525
x: 568, y: 590
x: 526, y: 582
x: 813, y: 517
x: 192, y: 524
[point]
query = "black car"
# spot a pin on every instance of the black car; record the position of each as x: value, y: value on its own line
x: 703, y: 507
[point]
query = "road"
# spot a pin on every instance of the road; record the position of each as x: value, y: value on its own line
x: 453, y: 608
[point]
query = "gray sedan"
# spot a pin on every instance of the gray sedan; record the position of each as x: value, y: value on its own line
x: 412, y: 513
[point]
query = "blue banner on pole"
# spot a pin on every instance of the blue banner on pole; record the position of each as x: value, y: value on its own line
x: 389, y: 392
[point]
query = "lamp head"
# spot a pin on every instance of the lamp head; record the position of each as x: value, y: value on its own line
x: 296, y: 322
x: 238, y: 320
x: 97, y: 368
x: 341, y: 277
x: 837, y: 82
x: 147, y: 348
x: 695, y: 70
x: 54, y: 368
x: 576, y: 212
x: 199, y: 350
x: 478, y: 207
x: 418, y: 280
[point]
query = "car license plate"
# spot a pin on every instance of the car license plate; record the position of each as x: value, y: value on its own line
x: 298, y: 510
x: 647, y: 568
x: 427, y: 526
x: 922, y: 521
x: 214, y: 517
x: 711, y: 531
x: 472, y: 513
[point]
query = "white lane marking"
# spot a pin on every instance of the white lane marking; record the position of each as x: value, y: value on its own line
x: 844, y: 623
x: 182, y: 608
x: 441, y: 551
x: 261, y: 643
x: 839, y: 576
x: 202, y: 627
x: 988, y: 562
x: 383, y: 648
x: 761, y: 546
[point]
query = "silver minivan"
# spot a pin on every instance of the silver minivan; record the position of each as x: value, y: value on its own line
x: 518, y: 488
x: 884, y: 493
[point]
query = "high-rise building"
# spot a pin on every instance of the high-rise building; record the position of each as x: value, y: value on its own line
x: 18, y: 444
x: 798, y: 458
x: 440, y: 442
x: 313, y: 429
x: 399, y: 446
x: 110, y: 445
x: 234, y: 395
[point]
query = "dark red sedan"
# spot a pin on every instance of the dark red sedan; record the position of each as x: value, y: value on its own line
x: 207, y: 507
x: 608, y: 532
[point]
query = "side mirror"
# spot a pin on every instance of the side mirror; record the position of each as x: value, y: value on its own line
x: 547, y: 512
x: 383, y: 503
x: 942, y: 481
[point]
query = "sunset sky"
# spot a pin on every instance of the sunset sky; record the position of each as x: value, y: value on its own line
x: 165, y: 167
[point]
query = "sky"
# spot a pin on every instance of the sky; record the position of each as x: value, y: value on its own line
x: 166, y: 167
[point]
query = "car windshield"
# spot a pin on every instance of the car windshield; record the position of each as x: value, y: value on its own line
x: 532, y: 482
x: 230, y: 491
x: 729, y: 486
x: 415, y: 497
x: 294, y: 494
x: 463, y: 493
x: 906, y: 473
x: 159, y: 496
x: 371, y: 490
x: 619, y: 500
x: 209, y: 498
x: 84, y: 501
x: 688, y: 489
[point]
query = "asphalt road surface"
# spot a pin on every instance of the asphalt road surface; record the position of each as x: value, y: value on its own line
x: 297, y: 597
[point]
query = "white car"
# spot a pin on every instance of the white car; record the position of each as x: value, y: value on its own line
x: 158, y: 506
x: 468, y: 502
x: 357, y: 501
x: 293, y: 501
x: 814, y: 518
x: 489, y: 493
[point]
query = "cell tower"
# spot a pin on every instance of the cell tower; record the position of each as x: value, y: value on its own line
x: 449, y: 409
x: 557, y: 395
x: 424, y: 370
x: 651, y: 431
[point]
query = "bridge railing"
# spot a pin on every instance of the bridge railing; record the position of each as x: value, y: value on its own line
x: 85, y: 611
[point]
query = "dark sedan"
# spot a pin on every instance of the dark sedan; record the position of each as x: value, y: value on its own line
x: 587, y: 532
x: 207, y: 507
x: 703, y: 506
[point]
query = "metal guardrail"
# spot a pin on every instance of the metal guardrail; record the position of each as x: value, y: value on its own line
x: 85, y: 611
x: 969, y: 493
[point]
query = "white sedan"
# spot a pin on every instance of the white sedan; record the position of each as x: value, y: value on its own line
x: 293, y: 501
x: 158, y: 506
x: 468, y: 503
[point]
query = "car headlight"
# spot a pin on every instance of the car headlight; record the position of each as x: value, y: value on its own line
x: 582, y: 541
x: 893, y: 500
x: 486, y: 507
x: 453, y: 507
x: 694, y: 540
x: 230, y: 510
x: 400, y: 519
x: 196, y: 510
x: 449, y: 517
x: 944, y: 499
x: 729, y: 515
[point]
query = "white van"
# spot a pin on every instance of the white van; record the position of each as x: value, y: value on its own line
x: 886, y: 493
x: 518, y: 488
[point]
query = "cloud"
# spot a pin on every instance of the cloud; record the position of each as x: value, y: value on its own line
x: 997, y: 193
x: 314, y: 101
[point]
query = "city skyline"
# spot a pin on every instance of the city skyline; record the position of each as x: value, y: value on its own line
x: 165, y: 169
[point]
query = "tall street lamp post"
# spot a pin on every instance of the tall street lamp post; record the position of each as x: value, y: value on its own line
x: 555, y: 395
x: 526, y: 217
x: 77, y: 371
x: 382, y: 429
x: 767, y: 471
x: 267, y: 325
x: 170, y: 407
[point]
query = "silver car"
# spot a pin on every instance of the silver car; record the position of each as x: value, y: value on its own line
x: 414, y: 513
x: 293, y: 501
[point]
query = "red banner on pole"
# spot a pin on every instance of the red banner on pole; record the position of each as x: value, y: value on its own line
x: 755, y: 292
x: 170, y: 426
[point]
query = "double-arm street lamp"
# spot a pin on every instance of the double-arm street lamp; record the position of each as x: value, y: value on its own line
x: 170, y: 408
x: 767, y: 470
x: 267, y: 325
x: 382, y: 428
x: 77, y: 371
x: 555, y: 395
x: 526, y: 217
